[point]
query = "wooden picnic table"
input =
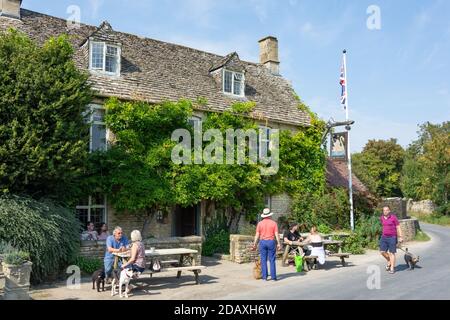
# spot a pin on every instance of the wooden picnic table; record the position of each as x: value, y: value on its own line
x: 326, y: 243
x: 187, y: 260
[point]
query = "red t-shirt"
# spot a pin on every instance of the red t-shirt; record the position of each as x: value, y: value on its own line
x: 267, y: 229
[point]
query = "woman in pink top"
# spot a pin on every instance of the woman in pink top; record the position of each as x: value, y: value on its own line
x: 267, y: 233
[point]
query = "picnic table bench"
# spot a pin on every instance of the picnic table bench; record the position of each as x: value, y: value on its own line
x: 308, y: 259
x: 186, y: 262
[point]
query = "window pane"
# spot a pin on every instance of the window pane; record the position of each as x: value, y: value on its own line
x: 98, y: 199
x: 83, y: 202
x: 237, y: 88
x: 97, y: 216
x: 97, y: 55
x: 99, y: 115
x: 98, y: 137
x: 82, y: 215
x: 111, y: 64
x: 112, y: 50
x: 227, y: 81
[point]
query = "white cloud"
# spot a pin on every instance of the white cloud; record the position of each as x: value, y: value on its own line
x: 261, y: 9
x: 95, y: 7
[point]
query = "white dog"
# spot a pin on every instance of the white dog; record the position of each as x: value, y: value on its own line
x: 123, y: 279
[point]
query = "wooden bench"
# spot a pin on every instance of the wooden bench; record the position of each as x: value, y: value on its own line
x: 195, y: 269
x: 342, y: 256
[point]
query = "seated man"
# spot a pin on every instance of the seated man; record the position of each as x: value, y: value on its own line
x: 292, y: 236
x: 114, y: 244
x: 90, y: 234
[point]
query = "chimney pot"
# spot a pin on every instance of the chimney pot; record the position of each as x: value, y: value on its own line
x: 10, y: 8
x: 268, y: 54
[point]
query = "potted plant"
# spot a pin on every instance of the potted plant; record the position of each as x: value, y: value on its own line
x: 17, y: 270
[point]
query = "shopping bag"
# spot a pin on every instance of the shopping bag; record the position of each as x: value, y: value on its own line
x: 298, y: 263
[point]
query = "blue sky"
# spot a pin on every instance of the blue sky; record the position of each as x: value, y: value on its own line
x: 398, y: 76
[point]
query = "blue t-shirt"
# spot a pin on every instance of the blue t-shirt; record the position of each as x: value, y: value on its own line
x: 112, y: 243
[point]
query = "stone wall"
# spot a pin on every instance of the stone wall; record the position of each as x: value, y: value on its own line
x: 241, y: 249
x: 280, y: 205
x: 92, y: 249
x: 397, y: 205
x: 96, y: 249
x: 409, y: 228
x: 129, y: 222
x: 424, y: 207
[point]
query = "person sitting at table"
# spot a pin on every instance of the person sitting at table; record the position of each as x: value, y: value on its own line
x: 316, y: 245
x: 90, y: 234
x: 114, y: 244
x: 292, y: 234
x: 137, y: 259
x: 103, y: 232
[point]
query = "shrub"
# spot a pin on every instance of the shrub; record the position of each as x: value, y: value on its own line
x: 49, y: 233
x: 5, y: 247
x: 354, y: 244
x: 89, y: 265
x: 217, y: 238
x: 248, y: 230
x: 16, y: 257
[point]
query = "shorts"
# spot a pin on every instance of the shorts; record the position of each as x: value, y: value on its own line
x: 388, y: 244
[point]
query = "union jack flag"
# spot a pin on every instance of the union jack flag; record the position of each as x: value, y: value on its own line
x: 343, y: 83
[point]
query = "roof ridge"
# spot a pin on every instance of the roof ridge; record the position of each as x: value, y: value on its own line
x: 144, y: 37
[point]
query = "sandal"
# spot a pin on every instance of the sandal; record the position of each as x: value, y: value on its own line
x: 391, y: 272
x: 388, y: 267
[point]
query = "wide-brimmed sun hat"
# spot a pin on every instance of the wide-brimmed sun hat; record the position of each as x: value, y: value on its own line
x: 266, y: 213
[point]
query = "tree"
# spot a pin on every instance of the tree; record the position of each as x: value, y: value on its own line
x: 136, y: 172
x: 43, y: 136
x: 426, y: 170
x: 379, y: 167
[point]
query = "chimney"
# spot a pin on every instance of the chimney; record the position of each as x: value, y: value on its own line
x: 268, y: 54
x: 10, y: 8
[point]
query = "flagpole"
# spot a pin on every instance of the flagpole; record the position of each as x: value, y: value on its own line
x: 350, y: 174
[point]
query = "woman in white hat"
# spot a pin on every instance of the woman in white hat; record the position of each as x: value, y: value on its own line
x: 267, y: 234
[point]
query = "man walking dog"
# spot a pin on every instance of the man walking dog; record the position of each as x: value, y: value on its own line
x: 392, y: 235
x: 269, y: 242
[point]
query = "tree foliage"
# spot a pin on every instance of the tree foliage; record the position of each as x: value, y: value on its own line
x: 379, y: 167
x: 138, y: 175
x: 43, y: 135
x: 48, y: 232
x: 426, y: 170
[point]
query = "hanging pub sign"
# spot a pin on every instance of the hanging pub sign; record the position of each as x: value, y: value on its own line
x: 339, y: 145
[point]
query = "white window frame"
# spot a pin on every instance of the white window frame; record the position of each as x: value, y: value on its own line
x: 92, y: 108
x: 233, y: 73
x: 90, y: 206
x: 103, y: 69
x: 195, y: 119
x: 266, y: 139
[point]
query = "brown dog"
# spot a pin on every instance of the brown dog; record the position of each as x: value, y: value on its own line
x: 257, y: 273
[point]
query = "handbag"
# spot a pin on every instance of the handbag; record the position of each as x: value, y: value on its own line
x: 155, y: 265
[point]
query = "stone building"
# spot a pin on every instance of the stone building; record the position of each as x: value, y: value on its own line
x: 131, y: 67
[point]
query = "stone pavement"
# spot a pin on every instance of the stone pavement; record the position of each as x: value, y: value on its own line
x: 220, y: 279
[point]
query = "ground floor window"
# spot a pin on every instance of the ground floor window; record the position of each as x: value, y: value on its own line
x: 92, y: 209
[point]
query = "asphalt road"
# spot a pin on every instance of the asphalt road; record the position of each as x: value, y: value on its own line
x: 430, y: 281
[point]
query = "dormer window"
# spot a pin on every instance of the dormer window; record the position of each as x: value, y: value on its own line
x: 234, y: 83
x: 105, y: 58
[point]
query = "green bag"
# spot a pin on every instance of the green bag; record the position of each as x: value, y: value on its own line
x: 298, y: 263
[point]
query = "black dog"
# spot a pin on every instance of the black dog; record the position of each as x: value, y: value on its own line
x: 99, y: 278
x: 411, y: 260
